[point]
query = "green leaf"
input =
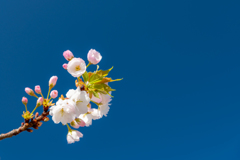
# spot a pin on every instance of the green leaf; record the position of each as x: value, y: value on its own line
x: 106, y: 79
x: 95, y: 78
x: 85, y: 76
x: 96, y: 94
x: 103, y: 73
x: 98, y: 86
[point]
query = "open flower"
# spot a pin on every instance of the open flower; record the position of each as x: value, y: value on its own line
x: 96, y: 114
x: 63, y: 112
x: 94, y: 57
x: 76, y: 67
x: 73, y: 136
x: 104, y: 109
x: 81, y: 100
x: 87, y: 118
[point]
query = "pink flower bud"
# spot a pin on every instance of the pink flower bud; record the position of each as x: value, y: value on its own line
x: 81, y: 123
x: 65, y: 66
x: 29, y: 91
x: 68, y: 55
x: 94, y: 57
x: 54, y: 94
x: 53, y: 81
x: 77, y: 123
x: 24, y: 100
x: 40, y: 101
x: 38, y: 89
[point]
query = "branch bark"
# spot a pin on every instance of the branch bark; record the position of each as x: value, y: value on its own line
x: 35, y: 123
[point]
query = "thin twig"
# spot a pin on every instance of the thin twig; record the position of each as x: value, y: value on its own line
x: 35, y: 123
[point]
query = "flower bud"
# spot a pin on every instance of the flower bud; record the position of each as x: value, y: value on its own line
x: 36, y: 114
x: 39, y: 124
x: 68, y: 55
x: 53, y: 81
x: 94, y: 57
x: 80, y: 122
x: 39, y: 101
x: 29, y: 91
x: 38, y: 89
x: 54, y: 94
x: 29, y: 130
x: 45, y: 119
x: 65, y: 66
x: 24, y: 100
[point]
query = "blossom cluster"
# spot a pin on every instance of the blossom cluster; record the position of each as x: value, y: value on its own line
x: 75, y: 108
x: 46, y: 102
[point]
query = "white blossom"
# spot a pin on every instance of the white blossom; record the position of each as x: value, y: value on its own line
x: 73, y: 136
x: 64, y: 111
x: 80, y: 98
x: 76, y: 67
x: 104, y: 100
x: 96, y: 114
x: 87, y: 118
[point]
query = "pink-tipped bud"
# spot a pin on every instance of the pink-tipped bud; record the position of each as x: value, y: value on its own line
x: 54, y: 94
x: 29, y: 91
x: 53, y: 81
x: 68, y: 55
x: 94, y: 56
x: 39, y: 101
x: 65, y: 66
x: 38, y: 89
x: 24, y: 100
x: 80, y: 122
x: 77, y: 123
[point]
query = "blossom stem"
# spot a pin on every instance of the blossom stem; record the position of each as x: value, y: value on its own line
x: 36, y: 96
x: 88, y: 64
x: 34, y: 109
x: 42, y: 95
x: 69, y: 129
x: 26, y: 107
x: 95, y: 103
x: 48, y: 92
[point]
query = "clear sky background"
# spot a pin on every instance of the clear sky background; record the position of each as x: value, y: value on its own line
x: 180, y: 96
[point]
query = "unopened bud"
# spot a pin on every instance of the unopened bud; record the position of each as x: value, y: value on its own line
x: 53, y: 81
x: 65, y: 66
x: 24, y: 100
x: 36, y: 114
x: 35, y: 127
x: 45, y: 119
x: 39, y: 101
x: 38, y: 89
x: 39, y: 124
x: 68, y: 55
x: 94, y: 56
x: 54, y: 94
x: 29, y: 91
x: 29, y: 130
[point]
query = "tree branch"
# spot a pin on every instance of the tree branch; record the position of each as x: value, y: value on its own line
x: 35, y: 123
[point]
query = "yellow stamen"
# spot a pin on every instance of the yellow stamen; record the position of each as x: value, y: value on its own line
x: 78, y: 68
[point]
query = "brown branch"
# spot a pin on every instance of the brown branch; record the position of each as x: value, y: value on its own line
x: 35, y: 123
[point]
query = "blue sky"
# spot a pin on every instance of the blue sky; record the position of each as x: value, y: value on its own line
x: 179, y: 99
